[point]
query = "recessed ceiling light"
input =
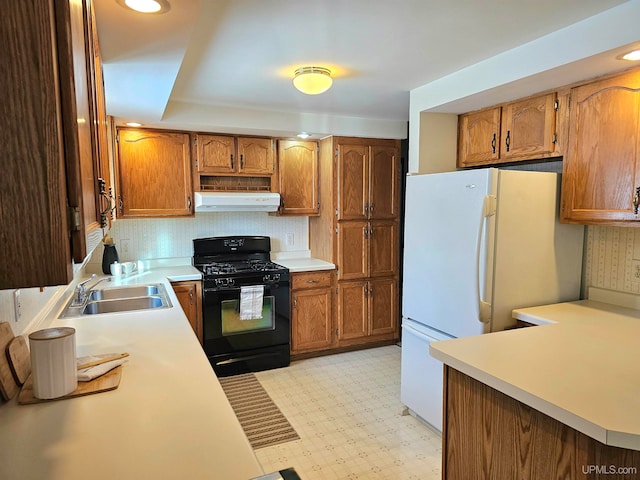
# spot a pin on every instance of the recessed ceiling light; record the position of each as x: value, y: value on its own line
x: 634, y: 55
x: 133, y: 124
x: 303, y: 135
x: 146, y: 6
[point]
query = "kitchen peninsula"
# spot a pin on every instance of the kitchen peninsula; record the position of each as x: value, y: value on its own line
x: 169, y: 418
x: 557, y: 400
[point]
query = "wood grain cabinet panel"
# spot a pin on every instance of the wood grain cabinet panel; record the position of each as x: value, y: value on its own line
x: 255, y: 156
x: 215, y: 154
x: 384, y: 183
x: 601, y: 171
x: 521, y: 130
x: 50, y: 163
x: 189, y: 295
x: 311, y: 311
x: 487, y: 434
x: 353, y: 314
x: 383, y: 306
x: 384, y: 250
x: 298, y: 177
x: 479, y: 137
x: 353, y: 250
x: 154, y: 173
x: 353, y: 187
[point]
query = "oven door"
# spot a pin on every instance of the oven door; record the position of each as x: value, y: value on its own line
x: 225, y: 332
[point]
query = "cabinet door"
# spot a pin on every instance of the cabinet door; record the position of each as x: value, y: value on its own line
x: 154, y: 173
x: 353, y: 185
x: 190, y: 297
x: 528, y: 128
x: 383, y: 248
x: 255, y: 156
x: 600, y: 170
x: 383, y: 306
x: 298, y: 177
x: 352, y: 249
x: 384, y: 183
x: 215, y: 154
x: 311, y: 315
x: 479, y: 137
x: 352, y: 310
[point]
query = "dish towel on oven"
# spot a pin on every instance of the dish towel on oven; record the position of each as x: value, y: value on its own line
x: 251, y: 302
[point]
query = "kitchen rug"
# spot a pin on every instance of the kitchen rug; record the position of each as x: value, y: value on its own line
x: 261, y: 419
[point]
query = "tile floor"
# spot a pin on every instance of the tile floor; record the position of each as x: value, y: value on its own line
x: 346, y: 409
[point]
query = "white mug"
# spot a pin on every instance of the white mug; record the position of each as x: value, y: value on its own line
x: 53, y: 362
x: 129, y: 267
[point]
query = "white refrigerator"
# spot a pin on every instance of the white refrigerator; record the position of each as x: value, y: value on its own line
x: 477, y: 244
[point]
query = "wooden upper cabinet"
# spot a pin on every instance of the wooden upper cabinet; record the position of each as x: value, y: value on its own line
x: 298, y: 177
x: 48, y: 133
x: 520, y: 130
x: 353, y: 185
x: 528, y: 128
x: 154, y: 173
x: 479, y: 137
x: 601, y: 171
x: 215, y: 154
x: 226, y: 155
x: 383, y: 249
x: 353, y: 249
x: 256, y: 156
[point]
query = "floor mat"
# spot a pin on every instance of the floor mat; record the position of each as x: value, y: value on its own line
x: 262, y: 421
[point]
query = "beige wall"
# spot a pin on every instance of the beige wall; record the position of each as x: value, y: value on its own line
x: 438, y: 142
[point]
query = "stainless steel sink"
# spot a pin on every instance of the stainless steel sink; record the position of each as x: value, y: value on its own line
x: 123, y: 305
x: 124, y: 292
x: 119, y: 299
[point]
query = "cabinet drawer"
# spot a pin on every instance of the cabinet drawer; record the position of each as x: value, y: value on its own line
x: 311, y: 280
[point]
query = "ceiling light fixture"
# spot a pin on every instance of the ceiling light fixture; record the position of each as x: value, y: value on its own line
x: 146, y: 6
x: 133, y: 124
x: 634, y: 55
x: 312, y: 80
x: 303, y: 135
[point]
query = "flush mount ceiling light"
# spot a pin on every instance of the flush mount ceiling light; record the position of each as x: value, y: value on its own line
x: 303, y: 135
x: 146, y: 6
x: 133, y: 124
x: 312, y: 80
x: 634, y: 55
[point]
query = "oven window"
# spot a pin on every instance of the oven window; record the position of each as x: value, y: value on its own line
x: 233, y: 325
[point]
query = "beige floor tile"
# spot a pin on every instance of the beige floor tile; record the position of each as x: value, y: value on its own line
x: 347, y: 410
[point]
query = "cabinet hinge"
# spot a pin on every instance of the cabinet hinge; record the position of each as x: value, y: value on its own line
x: 554, y: 139
x: 556, y: 105
x: 336, y: 212
x: 336, y: 290
x: 74, y: 218
x: 336, y: 230
x: 118, y: 137
x: 336, y: 152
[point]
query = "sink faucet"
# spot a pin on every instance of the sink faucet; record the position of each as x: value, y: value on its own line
x: 81, y: 289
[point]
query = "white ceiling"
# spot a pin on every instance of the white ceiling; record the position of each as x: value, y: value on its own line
x: 226, y: 65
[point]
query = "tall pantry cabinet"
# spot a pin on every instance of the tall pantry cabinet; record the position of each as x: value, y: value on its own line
x: 358, y: 230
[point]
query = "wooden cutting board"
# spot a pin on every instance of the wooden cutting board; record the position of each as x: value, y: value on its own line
x: 19, y: 359
x: 108, y: 381
x: 8, y: 385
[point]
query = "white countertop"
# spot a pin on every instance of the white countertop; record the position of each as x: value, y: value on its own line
x: 168, y: 419
x: 300, y: 261
x: 581, y: 368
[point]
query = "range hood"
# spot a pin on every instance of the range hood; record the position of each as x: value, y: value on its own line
x: 236, y: 201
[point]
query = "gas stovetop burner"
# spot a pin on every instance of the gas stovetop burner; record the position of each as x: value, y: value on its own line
x: 215, y: 268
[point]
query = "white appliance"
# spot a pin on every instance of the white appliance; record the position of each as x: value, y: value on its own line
x: 478, y: 243
x: 236, y: 201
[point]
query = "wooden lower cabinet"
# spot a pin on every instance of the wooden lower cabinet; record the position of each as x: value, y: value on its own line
x: 311, y: 311
x: 367, y: 309
x: 487, y: 434
x: 189, y: 295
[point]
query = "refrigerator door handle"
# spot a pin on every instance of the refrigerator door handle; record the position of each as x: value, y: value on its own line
x: 484, y: 307
x: 419, y: 334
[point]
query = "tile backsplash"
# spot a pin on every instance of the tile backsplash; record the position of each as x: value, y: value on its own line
x: 157, y: 238
x: 612, y: 258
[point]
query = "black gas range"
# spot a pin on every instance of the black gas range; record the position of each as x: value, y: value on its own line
x: 246, y: 310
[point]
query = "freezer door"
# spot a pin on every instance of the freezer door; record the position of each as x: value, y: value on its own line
x: 421, y: 375
x: 447, y: 246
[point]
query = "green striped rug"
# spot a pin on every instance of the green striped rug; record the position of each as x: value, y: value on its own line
x: 262, y: 421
